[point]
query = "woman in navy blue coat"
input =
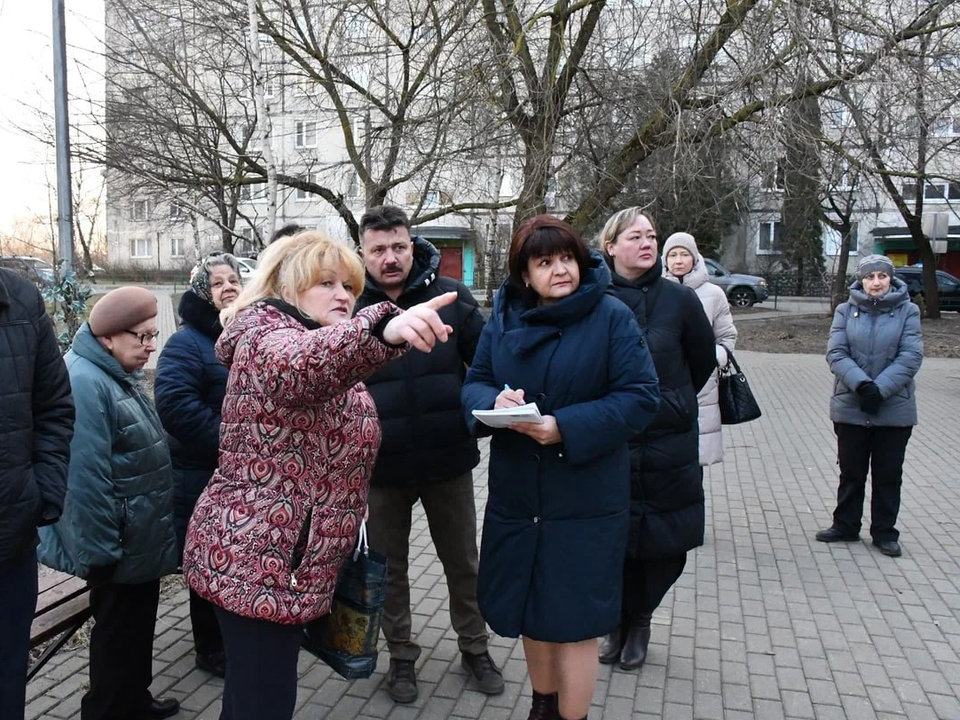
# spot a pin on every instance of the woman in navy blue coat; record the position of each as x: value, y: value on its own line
x: 189, y: 390
x: 555, y: 525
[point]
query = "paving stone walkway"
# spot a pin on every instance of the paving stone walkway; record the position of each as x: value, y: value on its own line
x: 765, y: 623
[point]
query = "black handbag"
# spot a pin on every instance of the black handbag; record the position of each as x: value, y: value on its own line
x: 737, y: 403
x: 347, y: 638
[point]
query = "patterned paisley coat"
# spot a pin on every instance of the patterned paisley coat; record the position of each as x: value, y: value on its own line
x: 298, y: 441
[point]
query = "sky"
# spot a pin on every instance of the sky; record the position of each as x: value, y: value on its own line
x: 26, y: 56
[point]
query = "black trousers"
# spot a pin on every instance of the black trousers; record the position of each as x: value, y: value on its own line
x: 121, y: 650
x: 881, y: 451
x: 261, y: 657
x: 645, y: 582
x: 206, y: 630
x: 18, y: 602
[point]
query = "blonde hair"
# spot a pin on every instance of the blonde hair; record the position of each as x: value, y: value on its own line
x: 619, y: 222
x: 296, y: 263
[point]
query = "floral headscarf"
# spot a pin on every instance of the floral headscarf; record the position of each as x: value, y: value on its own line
x: 200, y: 275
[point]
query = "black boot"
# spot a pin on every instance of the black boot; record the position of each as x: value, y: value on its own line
x: 635, y: 646
x: 610, y: 648
x: 545, y: 707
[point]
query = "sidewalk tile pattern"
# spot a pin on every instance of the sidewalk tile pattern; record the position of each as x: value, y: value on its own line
x: 765, y: 623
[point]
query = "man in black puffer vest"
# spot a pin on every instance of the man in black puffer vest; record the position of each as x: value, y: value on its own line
x: 36, y: 425
x: 427, y: 453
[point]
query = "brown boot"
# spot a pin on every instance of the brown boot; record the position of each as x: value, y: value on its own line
x: 610, y: 648
x: 635, y: 645
x: 545, y: 707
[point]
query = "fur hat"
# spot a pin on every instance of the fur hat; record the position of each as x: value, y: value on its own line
x: 684, y: 240
x: 874, y: 263
x: 121, y: 309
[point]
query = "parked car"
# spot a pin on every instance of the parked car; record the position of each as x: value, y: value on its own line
x: 948, y: 287
x: 34, y: 269
x: 248, y: 268
x: 742, y: 290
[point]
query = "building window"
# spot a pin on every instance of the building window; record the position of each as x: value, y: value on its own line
x: 140, y: 248
x: 946, y: 126
x: 253, y: 192
x: 270, y: 87
x: 306, y: 135
x: 177, y: 211
x: 302, y: 195
x: 176, y: 248
x: 306, y: 85
x: 832, y: 240
x: 246, y: 245
x: 139, y: 211
x: 769, y: 237
x: 772, y: 177
x: 940, y: 191
x: 846, y: 176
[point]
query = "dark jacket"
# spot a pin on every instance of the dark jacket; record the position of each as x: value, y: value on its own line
x: 425, y: 439
x: 876, y: 339
x: 117, y: 523
x: 555, y: 526
x: 666, y: 489
x: 36, y: 419
x: 188, y: 391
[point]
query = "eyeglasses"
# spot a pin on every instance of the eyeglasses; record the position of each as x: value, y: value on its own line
x: 144, y: 338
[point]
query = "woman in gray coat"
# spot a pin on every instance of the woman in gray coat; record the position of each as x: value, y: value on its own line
x: 875, y: 349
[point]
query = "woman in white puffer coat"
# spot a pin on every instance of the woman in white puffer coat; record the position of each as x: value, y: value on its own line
x: 683, y: 263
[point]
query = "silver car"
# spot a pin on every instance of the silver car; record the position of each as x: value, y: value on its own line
x: 742, y: 290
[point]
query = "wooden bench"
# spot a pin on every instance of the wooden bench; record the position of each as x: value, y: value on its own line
x: 63, y: 606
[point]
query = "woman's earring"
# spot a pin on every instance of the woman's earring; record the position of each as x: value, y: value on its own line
x: 528, y: 284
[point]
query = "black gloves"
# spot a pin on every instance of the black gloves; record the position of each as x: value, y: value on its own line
x: 870, y: 398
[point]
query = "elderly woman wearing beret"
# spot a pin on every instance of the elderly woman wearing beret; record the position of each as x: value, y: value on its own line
x: 117, y: 525
x: 875, y: 350
x: 189, y: 391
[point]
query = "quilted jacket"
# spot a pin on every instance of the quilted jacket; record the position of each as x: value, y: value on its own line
x: 298, y: 440
x: 876, y: 339
x: 117, y: 522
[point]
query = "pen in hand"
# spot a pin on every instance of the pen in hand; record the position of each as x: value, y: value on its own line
x: 509, y: 397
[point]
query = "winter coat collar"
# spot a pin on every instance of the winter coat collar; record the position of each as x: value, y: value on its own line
x: 198, y: 313
x: 646, y: 280
x: 426, y: 268
x: 693, y: 279
x: 526, y: 326
x: 86, y: 345
x: 896, y: 296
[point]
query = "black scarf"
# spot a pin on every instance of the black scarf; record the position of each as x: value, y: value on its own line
x: 294, y: 312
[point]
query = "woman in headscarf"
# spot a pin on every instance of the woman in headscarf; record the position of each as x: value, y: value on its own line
x: 189, y: 390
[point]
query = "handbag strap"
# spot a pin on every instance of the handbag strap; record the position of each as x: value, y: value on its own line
x: 362, y: 545
x: 731, y: 360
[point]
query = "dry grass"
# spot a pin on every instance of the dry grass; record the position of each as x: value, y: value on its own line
x: 808, y: 334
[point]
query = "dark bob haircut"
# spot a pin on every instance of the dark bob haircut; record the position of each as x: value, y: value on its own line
x: 545, y: 236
